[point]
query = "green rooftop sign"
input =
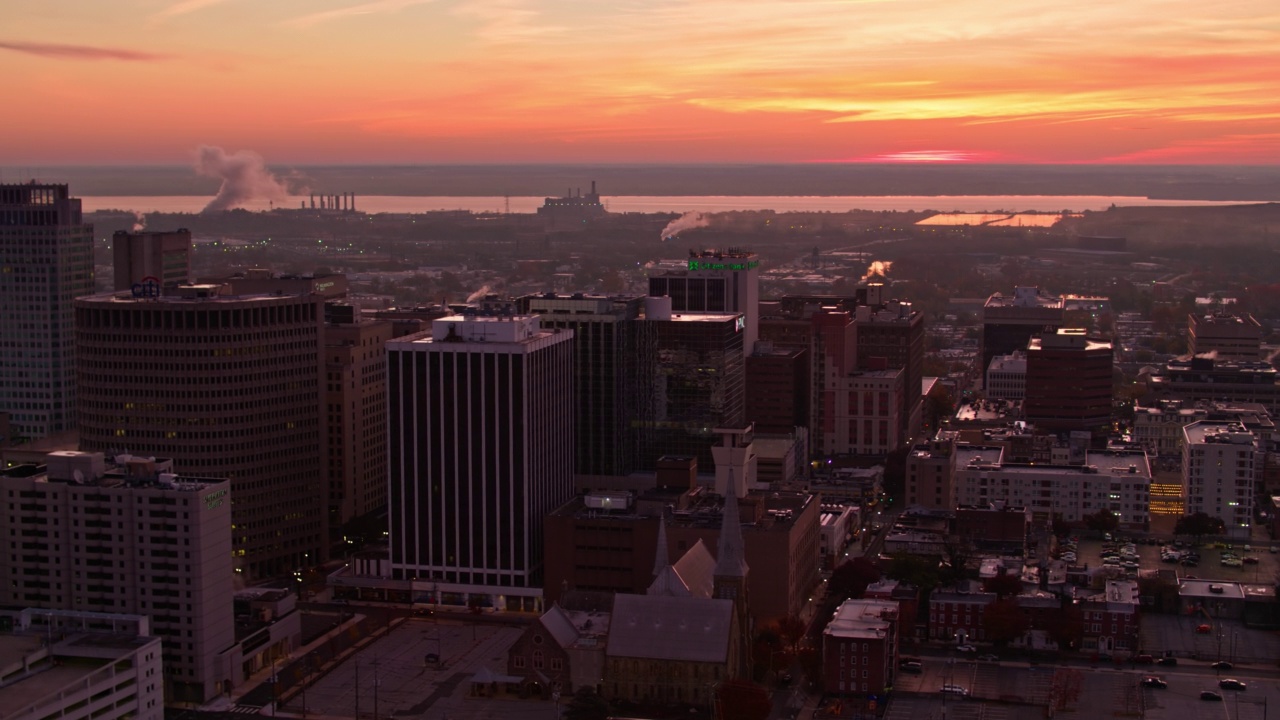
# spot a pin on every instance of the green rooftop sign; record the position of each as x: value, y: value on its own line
x: 718, y: 265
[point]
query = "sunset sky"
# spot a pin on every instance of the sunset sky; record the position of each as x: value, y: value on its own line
x: 448, y: 81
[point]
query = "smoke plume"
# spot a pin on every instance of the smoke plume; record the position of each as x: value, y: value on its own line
x: 687, y: 221
x: 139, y: 222
x: 877, y: 267
x: 244, y: 177
x: 484, y: 290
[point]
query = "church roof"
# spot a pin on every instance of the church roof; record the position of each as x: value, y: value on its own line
x: 731, y: 558
x: 693, y: 575
x: 657, y: 627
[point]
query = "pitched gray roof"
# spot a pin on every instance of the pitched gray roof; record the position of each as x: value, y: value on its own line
x: 658, y: 627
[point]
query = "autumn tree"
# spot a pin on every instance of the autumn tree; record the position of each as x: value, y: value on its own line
x: 586, y: 705
x: 914, y: 570
x: 743, y: 699
x: 1003, y: 586
x: 1066, y: 628
x: 1103, y: 521
x: 1003, y: 621
x: 1198, y: 525
x: 851, y: 579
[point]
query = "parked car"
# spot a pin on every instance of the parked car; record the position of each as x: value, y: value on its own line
x: 1204, y: 629
x: 955, y: 690
x: 1222, y: 665
x: 1168, y: 661
x: 1231, y: 684
x: 1154, y: 682
x: 1210, y: 695
x: 966, y: 648
x: 989, y: 658
x: 1144, y: 660
x: 914, y: 667
x: 1249, y: 560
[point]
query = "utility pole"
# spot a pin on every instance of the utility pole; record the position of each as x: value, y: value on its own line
x: 375, y: 688
x: 357, y: 689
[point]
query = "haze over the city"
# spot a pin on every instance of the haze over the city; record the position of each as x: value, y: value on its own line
x: 486, y: 81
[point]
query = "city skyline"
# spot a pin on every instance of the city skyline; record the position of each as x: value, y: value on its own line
x: 412, y: 81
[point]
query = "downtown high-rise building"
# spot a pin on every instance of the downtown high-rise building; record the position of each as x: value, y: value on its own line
x: 700, y: 383
x: 128, y: 537
x: 355, y: 366
x: 480, y: 435
x: 227, y: 386
x: 151, y: 258
x: 46, y: 262
x: 614, y: 365
x: 714, y: 282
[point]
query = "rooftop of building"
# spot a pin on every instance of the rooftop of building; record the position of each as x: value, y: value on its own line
x: 1025, y: 297
x: 75, y: 658
x: 1132, y: 463
x: 1225, y: 319
x: 775, y: 509
x: 186, y: 295
x: 118, y: 471
x: 863, y: 619
x: 1218, y: 432
x: 577, y: 628
x: 1210, y: 589
x: 663, y: 627
x: 1066, y: 339
x: 1014, y: 362
x: 1181, y: 367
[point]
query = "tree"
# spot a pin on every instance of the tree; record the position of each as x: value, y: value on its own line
x: 743, y: 699
x: 851, y: 579
x: 1003, y: 585
x: 1061, y: 528
x: 1103, y: 521
x: 1066, y: 628
x: 586, y: 705
x: 791, y: 629
x: 1198, y: 525
x: 914, y: 570
x: 1003, y: 621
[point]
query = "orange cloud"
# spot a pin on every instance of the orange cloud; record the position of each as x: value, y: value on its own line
x: 81, y: 52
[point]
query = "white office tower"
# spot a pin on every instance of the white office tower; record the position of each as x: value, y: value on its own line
x: 481, y: 449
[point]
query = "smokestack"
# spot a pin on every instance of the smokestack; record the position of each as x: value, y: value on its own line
x: 353, y: 202
x: 593, y: 187
x: 313, y: 201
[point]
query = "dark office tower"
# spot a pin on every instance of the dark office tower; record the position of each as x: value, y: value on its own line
x: 777, y: 382
x: 613, y: 369
x: 714, y: 281
x: 894, y: 330
x: 1225, y: 336
x: 1069, y: 382
x: 46, y: 262
x: 227, y: 386
x: 1009, y: 322
x: 699, y: 385
x: 481, y: 450
x: 355, y: 367
x: 139, y: 258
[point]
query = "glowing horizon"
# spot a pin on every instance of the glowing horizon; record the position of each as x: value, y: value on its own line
x: 564, y: 81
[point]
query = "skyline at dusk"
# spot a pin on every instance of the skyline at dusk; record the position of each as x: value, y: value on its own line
x: 509, y: 81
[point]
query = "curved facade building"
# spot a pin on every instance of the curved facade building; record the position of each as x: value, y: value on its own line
x: 226, y: 386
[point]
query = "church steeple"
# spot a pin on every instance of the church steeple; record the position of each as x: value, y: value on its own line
x: 731, y: 573
x: 662, y: 554
x: 731, y: 561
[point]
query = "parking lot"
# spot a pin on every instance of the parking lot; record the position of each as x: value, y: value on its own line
x: 391, y: 677
x: 1089, y: 552
x: 1016, y: 691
